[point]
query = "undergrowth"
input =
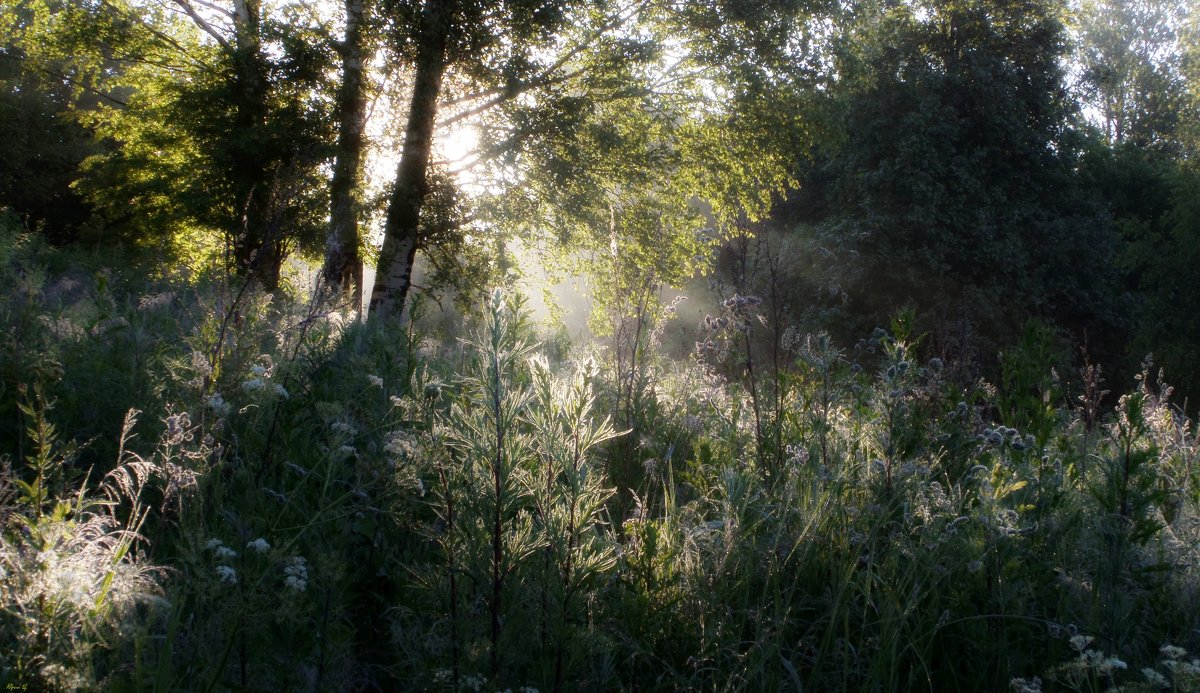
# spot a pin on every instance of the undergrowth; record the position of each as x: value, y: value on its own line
x: 207, y: 488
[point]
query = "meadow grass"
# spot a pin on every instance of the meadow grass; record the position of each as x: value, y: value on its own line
x: 207, y: 488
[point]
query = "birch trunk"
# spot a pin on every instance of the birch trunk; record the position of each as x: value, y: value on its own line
x: 393, y: 277
x: 343, y: 262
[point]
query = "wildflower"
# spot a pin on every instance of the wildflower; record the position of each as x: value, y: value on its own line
x: 347, y: 450
x: 177, y: 428
x: 253, y: 385
x: 376, y: 381
x: 1155, y: 679
x: 227, y: 575
x: 1111, y: 664
x: 259, y: 371
x: 259, y: 545
x: 1172, y: 652
x: 201, y: 364
x: 280, y: 391
x: 1182, y: 668
x: 218, y: 404
x: 396, y: 401
x: 1033, y: 685
x: 343, y: 427
x: 224, y: 553
x: 213, y: 543
x: 1079, y: 642
x: 400, y: 444
x: 296, y: 574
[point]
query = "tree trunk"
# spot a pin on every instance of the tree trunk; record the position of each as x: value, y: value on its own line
x: 258, y: 251
x: 343, y: 263
x: 393, y: 277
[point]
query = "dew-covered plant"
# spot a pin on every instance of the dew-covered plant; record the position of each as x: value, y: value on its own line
x: 72, y: 561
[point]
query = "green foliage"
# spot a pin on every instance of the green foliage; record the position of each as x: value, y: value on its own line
x: 342, y: 504
x: 947, y: 182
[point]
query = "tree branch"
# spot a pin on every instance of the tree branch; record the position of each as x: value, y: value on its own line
x: 67, y: 79
x: 545, y: 77
x: 203, y: 23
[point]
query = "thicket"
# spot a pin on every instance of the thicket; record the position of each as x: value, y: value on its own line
x: 208, y: 488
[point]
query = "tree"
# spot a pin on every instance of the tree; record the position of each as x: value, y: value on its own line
x: 541, y: 70
x: 210, y: 119
x: 258, y: 112
x: 948, y: 183
x: 42, y: 149
x: 1131, y: 68
x: 343, y: 260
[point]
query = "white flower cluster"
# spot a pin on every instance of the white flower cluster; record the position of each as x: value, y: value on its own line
x: 220, y: 550
x: 1189, y: 669
x: 296, y: 574
x: 1155, y: 679
x: 400, y: 444
x: 1181, y: 670
x: 259, y: 545
x: 218, y: 404
x: 227, y: 574
x: 376, y: 381
x: 261, y: 373
x: 1095, y: 659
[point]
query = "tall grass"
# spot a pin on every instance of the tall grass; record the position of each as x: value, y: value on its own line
x: 312, y: 503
